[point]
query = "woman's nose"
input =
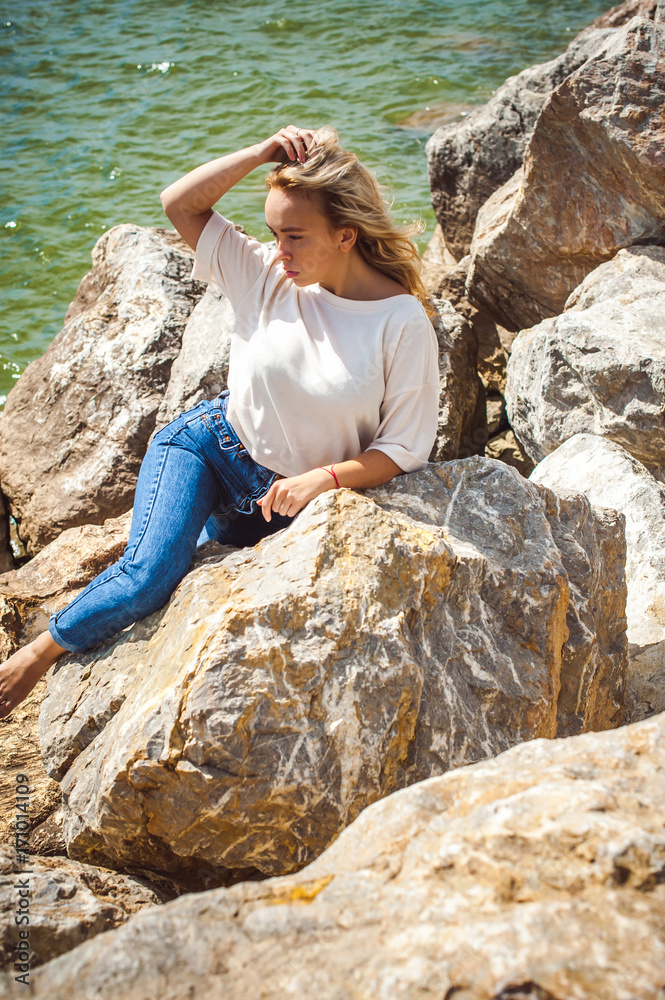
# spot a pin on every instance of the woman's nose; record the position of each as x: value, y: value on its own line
x: 282, y: 253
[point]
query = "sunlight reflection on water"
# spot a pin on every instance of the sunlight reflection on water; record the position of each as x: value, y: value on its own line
x: 104, y: 104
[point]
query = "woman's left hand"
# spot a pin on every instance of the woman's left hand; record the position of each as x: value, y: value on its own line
x: 288, y: 496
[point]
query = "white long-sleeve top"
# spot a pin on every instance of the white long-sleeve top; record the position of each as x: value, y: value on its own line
x: 315, y: 378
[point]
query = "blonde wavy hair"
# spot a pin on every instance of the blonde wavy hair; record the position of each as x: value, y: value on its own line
x: 350, y: 195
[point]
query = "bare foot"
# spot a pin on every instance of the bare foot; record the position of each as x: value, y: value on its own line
x: 23, y: 669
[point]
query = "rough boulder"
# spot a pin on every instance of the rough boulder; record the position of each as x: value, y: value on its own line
x: 599, y: 367
x: 76, y: 424
x: 610, y: 477
x: 469, y: 159
x: 535, y: 875
x: 379, y: 639
x: 593, y: 182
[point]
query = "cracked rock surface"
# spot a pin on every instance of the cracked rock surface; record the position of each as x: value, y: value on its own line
x: 609, y: 476
x: 592, y: 183
x: 76, y: 425
x: 379, y: 639
x: 599, y: 367
x: 535, y: 875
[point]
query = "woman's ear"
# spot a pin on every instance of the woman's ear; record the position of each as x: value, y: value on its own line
x: 348, y: 238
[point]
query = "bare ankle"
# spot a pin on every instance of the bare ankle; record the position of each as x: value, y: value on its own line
x: 24, y: 669
x: 41, y: 653
x: 45, y: 648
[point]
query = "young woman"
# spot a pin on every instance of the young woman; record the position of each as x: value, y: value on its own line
x: 333, y: 380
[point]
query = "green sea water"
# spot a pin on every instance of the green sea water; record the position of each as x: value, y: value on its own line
x: 105, y: 103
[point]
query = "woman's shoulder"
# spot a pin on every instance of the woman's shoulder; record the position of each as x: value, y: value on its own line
x: 408, y: 333
x: 407, y: 308
x: 230, y: 259
x: 385, y: 287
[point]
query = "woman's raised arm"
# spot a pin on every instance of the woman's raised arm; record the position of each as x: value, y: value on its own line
x: 188, y: 201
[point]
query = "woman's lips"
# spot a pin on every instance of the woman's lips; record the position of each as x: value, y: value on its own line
x: 290, y: 274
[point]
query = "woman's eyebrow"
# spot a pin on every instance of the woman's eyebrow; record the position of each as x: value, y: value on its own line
x: 288, y: 229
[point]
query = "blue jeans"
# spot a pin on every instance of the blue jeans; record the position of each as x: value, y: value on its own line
x: 197, y: 482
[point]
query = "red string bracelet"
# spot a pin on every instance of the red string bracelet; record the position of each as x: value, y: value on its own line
x: 332, y: 473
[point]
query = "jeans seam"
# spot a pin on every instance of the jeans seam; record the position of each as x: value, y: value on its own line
x: 93, y: 585
x: 153, y: 493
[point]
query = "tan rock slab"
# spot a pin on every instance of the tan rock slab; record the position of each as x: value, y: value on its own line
x: 379, y: 639
x: 462, y: 424
x: 593, y: 182
x: 20, y: 756
x: 609, y: 476
x: 506, y: 448
x: 436, y: 254
x: 27, y: 596
x: 72, y: 560
x: 534, y: 875
x: 448, y: 281
x: 69, y: 903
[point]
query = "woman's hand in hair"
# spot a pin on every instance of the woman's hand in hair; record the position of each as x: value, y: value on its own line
x: 289, y: 144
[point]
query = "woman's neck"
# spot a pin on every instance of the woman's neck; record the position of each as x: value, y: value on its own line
x: 354, y: 278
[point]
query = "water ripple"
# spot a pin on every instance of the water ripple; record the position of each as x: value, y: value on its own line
x: 104, y: 104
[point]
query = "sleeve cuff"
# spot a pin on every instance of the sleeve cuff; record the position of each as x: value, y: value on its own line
x: 400, y: 456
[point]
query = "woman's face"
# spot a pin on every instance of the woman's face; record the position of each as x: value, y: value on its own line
x: 308, y: 249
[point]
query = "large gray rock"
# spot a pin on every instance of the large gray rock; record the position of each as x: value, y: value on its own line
x: 379, y: 639
x: 462, y: 425
x: 610, y: 477
x: 70, y: 902
x: 492, y: 343
x: 27, y: 597
x: 469, y: 159
x: 593, y: 182
x: 534, y: 876
x: 77, y: 422
x: 599, y: 367
x: 201, y: 369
